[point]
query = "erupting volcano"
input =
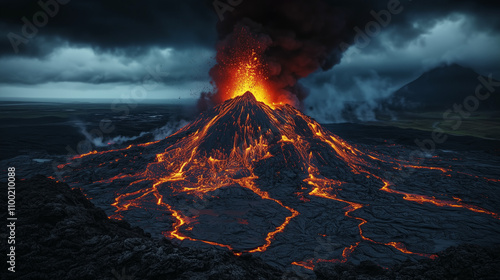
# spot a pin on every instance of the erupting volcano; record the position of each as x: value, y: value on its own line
x: 247, y: 177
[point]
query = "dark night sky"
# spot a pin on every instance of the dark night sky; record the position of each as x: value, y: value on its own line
x: 103, y: 49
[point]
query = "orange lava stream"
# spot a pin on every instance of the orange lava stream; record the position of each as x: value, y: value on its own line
x: 438, y: 202
x: 323, y: 187
x: 95, y: 152
x: 353, y: 157
x: 249, y: 184
x: 309, y: 264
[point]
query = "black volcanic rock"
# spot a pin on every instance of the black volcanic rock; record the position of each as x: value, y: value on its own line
x: 439, y: 89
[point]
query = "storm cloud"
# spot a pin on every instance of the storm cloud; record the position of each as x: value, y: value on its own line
x: 101, y: 45
x: 126, y: 26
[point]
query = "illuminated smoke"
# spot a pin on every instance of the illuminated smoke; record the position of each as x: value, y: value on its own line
x: 291, y: 40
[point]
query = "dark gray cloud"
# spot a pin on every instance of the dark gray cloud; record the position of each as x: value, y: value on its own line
x: 113, y: 42
x: 418, y: 17
x: 372, y: 72
x: 132, y: 25
x: 112, y: 26
x: 71, y: 64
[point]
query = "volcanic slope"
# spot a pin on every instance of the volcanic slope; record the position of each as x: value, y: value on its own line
x: 255, y: 179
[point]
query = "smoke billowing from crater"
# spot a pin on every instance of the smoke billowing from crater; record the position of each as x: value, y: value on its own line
x: 292, y: 39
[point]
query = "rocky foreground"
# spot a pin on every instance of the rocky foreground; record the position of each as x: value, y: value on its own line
x: 62, y: 235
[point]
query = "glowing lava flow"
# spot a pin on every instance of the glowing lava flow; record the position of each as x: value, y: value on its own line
x: 222, y: 148
x: 323, y: 187
x: 354, y: 158
x: 95, y: 152
x: 438, y: 202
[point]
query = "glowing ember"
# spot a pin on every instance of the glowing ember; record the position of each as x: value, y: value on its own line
x: 243, y: 69
x: 248, y: 75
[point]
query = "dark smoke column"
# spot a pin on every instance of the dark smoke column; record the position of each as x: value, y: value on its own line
x: 299, y: 37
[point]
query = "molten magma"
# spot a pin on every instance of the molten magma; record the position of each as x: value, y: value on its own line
x: 248, y: 75
x: 224, y: 145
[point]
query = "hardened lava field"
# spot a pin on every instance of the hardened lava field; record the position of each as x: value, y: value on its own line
x: 273, y: 182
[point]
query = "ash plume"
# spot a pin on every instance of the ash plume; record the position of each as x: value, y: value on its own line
x: 299, y: 37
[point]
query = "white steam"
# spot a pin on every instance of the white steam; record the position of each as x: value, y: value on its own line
x: 359, y: 101
x: 156, y: 134
x: 168, y: 129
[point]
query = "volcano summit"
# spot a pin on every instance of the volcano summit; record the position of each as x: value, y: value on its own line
x: 272, y: 181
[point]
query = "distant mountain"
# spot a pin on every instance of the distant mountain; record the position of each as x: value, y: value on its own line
x: 439, y: 89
